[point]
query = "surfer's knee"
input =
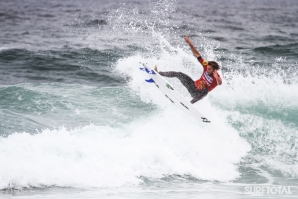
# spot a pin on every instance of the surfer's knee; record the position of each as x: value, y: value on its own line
x: 200, y: 96
x: 195, y: 99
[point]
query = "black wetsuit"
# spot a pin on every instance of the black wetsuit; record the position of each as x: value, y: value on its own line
x: 189, y: 84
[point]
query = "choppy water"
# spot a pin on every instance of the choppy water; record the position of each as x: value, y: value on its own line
x: 78, y: 119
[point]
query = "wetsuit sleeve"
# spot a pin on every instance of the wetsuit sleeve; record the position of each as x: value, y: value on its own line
x: 202, y: 61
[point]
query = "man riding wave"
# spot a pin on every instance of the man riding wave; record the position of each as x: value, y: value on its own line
x: 208, y: 81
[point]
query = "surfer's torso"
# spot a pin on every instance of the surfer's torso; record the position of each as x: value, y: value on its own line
x: 206, y: 80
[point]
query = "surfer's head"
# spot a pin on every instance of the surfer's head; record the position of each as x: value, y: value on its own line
x: 212, y: 65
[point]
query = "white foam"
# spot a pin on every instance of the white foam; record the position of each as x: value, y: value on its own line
x: 92, y: 156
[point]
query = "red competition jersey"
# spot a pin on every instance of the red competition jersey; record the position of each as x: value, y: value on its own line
x: 206, y: 81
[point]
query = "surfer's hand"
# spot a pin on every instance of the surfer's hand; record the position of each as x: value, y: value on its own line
x: 215, y: 74
x: 187, y: 40
x: 218, y: 79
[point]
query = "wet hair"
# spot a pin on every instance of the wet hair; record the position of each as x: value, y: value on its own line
x: 214, y: 65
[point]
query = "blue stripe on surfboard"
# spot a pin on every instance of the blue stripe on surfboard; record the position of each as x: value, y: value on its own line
x: 149, y: 80
x: 150, y: 71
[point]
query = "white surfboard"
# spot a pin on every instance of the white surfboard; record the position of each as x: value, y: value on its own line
x: 173, y: 96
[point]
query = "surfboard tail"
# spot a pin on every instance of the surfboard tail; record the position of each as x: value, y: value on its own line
x: 148, y: 71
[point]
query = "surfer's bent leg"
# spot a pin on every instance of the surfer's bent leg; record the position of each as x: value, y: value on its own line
x: 185, y: 80
x: 200, y: 95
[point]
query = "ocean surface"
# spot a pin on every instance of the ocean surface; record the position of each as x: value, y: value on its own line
x: 77, y: 119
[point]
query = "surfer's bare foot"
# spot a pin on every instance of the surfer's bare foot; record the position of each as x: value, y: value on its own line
x: 155, y: 68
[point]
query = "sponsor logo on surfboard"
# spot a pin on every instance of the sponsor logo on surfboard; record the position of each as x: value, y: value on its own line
x: 169, y: 87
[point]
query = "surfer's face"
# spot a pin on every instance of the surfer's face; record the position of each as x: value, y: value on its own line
x: 209, y: 70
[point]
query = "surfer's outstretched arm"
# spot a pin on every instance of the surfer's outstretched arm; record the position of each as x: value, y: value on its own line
x: 193, y: 49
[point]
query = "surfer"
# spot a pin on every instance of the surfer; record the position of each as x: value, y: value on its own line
x: 208, y: 81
